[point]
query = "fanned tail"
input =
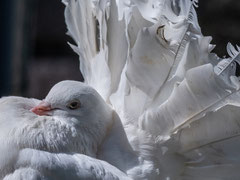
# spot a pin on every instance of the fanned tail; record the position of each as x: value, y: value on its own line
x: 150, y: 61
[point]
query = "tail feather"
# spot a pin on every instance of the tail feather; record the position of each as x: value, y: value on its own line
x: 117, y: 46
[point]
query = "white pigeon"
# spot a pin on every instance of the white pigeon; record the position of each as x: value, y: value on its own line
x: 60, y: 137
x: 178, y: 102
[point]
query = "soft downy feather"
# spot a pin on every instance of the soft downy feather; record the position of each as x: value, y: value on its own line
x: 166, y: 85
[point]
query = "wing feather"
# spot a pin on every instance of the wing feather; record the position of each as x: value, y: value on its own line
x: 64, y: 166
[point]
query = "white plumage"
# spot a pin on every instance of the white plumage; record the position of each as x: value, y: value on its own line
x: 178, y: 103
x: 50, y: 139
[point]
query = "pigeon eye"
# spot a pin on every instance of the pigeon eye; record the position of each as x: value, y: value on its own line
x: 73, y: 105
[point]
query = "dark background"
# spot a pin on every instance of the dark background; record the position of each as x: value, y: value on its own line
x: 34, y: 54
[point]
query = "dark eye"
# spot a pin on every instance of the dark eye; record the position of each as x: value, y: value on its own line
x: 73, y: 105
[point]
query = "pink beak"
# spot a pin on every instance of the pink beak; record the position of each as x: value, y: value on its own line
x: 42, y: 109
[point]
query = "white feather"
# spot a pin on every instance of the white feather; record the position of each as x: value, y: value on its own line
x: 47, y: 166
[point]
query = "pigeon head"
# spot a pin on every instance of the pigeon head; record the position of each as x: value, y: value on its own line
x: 72, y: 99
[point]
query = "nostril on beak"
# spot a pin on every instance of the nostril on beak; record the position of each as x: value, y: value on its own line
x: 42, y: 109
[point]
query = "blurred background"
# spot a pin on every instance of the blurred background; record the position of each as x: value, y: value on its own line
x: 34, y: 54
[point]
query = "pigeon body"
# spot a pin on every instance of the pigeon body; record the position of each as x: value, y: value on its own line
x: 71, y: 121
